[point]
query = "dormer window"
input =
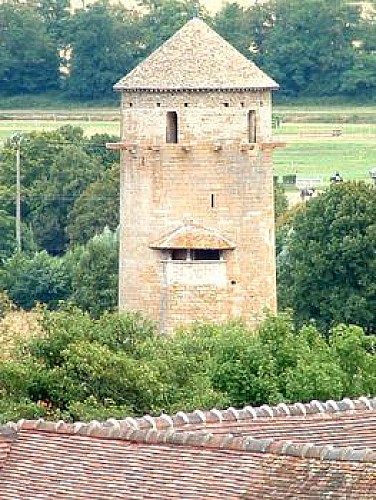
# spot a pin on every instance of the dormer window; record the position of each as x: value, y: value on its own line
x: 172, y: 127
x: 196, y: 254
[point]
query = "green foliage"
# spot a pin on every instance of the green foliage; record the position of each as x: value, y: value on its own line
x: 281, y: 203
x: 95, y: 277
x: 97, y: 207
x: 54, y: 172
x: 12, y: 409
x: 118, y: 365
x: 39, y: 278
x: 309, y: 44
x: 105, y: 45
x: 163, y: 18
x: 328, y: 270
x: 29, y: 61
x: 6, y: 305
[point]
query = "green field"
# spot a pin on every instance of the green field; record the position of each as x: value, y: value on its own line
x: 312, y: 149
x: 11, y: 127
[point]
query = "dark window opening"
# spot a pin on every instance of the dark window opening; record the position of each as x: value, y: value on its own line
x: 226, y: 104
x: 179, y: 254
x: 206, y: 254
x: 186, y: 105
x: 172, y: 127
x: 252, y: 126
x: 195, y: 254
x: 130, y: 104
x: 158, y: 104
x: 242, y: 104
x: 212, y: 200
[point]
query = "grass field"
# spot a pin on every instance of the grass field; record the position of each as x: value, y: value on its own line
x: 311, y: 148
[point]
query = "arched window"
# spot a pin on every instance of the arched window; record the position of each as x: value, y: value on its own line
x: 252, y: 137
x: 172, y: 127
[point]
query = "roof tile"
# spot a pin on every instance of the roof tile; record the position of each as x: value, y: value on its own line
x: 196, y: 58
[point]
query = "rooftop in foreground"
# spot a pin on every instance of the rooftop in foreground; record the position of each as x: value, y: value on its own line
x: 314, y: 450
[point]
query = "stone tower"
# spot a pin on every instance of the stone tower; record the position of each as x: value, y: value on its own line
x: 197, y: 216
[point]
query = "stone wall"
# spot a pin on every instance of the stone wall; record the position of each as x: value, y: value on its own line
x: 213, y: 178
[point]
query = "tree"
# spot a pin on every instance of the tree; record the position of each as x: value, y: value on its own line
x: 96, y: 208
x: 306, y: 45
x: 164, y: 17
x: 53, y: 198
x: 105, y: 46
x: 29, y: 60
x: 329, y: 266
x: 95, y: 277
x: 40, y: 278
x: 236, y: 24
x: 360, y: 79
x: 54, y: 171
x: 55, y: 14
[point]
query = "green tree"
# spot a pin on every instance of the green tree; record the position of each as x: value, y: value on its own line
x: 306, y: 45
x: 329, y: 266
x: 29, y: 60
x: 54, y: 171
x: 237, y: 25
x: 163, y: 18
x: 360, y: 79
x: 40, y: 278
x: 105, y: 43
x: 55, y: 14
x: 96, y: 146
x: 52, y: 200
x: 95, y: 277
x: 96, y: 208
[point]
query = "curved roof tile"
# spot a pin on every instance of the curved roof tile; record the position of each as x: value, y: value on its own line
x: 194, y: 237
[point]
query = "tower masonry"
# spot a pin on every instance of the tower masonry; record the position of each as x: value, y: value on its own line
x: 196, y: 211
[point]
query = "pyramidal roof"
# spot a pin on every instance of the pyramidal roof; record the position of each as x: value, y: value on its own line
x: 196, y: 58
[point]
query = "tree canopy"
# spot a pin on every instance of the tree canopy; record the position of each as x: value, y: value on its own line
x: 327, y: 269
x: 78, y: 368
x: 311, y: 47
x: 29, y: 60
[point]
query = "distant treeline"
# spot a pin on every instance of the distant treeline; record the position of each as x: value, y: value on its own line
x: 311, y: 47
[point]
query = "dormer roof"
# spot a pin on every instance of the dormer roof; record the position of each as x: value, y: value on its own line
x: 196, y: 58
x: 193, y: 236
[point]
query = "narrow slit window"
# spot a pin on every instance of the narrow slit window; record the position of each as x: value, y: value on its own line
x: 172, y: 127
x: 252, y: 136
x: 212, y: 201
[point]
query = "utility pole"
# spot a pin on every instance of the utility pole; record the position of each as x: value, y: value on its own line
x: 18, y: 194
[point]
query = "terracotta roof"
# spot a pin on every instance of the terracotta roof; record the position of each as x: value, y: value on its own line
x: 195, y: 237
x: 7, y: 436
x: 193, y: 456
x: 196, y: 57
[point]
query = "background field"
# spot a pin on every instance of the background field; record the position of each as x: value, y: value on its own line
x: 313, y: 148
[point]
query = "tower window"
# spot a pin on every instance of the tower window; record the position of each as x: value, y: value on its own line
x: 226, y: 104
x: 179, y: 254
x: 212, y: 200
x: 196, y: 254
x: 186, y: 105
x: 206, y: 254
x: 172, y: 127
x: 252, y: 137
